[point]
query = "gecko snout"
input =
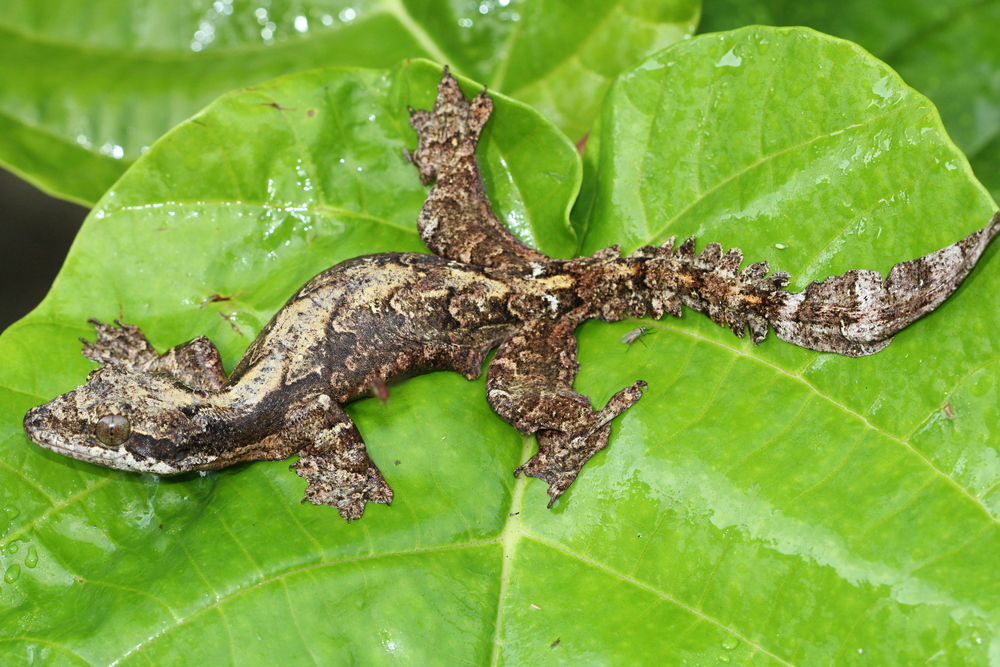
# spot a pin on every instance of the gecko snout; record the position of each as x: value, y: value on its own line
x: 42, y: 423
x: 34, y: 422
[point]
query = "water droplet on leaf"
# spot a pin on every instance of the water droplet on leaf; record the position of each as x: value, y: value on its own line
x: 730, y: 59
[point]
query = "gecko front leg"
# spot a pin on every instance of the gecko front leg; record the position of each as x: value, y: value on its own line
x: 196, y: 363
x: 530, y: 385
x: 333, y: 458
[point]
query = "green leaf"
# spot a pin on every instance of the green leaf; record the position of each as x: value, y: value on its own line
x: 947, y: 50
x: 824, y: 509
x: 86, y: 89
x: 767, y: 506
x: 245, y: 201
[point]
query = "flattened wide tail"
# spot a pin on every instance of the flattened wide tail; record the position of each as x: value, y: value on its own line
x: 858, y: 313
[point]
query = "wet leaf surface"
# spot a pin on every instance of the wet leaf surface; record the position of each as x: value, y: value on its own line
x: 767, y: 506
x: 947, y: 50
x: 84, y: 90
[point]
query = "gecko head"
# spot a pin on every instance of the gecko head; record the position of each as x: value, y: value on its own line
x: 128, y: 420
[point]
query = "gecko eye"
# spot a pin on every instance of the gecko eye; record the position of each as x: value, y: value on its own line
x: 113, y: 430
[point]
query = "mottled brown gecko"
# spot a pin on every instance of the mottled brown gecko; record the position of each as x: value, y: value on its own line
x: 370, y: 319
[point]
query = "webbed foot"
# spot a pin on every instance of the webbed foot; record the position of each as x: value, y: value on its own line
x: 119, y: 345
x: 457, y: 220
x: 450, y: 132
x: 530, y: 384
x: 196, y: 363
x: 334, y: 460
x: 342, y: 487
x: 561, y: 455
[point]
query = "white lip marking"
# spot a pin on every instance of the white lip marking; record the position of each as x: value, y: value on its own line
x: 77, y: 447
x: 122, y: 459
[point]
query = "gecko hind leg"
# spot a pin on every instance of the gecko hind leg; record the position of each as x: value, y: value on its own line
x: 561, y: 455
x: 530, y: 385
x: 334, y: 460
x: 196, y: 363
x: 457, y: 220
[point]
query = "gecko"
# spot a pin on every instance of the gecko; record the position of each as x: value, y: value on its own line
x: 371, y: 319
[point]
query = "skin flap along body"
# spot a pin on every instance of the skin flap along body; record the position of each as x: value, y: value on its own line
x: 356, y: 326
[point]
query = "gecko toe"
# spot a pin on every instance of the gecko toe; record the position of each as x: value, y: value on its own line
x: 560, y: 458
x: 344, y: 490
x: 119, y: 344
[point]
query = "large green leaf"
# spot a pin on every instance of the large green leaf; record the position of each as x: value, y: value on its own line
x: 947, y: 50
x: 86, y: 87
x: 766, y: 505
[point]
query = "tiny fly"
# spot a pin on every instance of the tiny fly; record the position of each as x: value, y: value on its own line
x: 634, y: 335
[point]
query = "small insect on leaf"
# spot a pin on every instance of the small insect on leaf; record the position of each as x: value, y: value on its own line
x: 634, y: 335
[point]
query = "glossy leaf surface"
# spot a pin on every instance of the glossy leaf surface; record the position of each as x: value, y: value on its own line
x: 948, y: 50
x: 85, y: 88
x: 766, y: 506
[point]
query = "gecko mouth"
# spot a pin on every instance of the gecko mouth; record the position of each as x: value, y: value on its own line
x: 39, y: 426
x: 36, y: 425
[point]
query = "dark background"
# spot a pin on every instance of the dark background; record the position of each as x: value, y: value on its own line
x: 36, y: 231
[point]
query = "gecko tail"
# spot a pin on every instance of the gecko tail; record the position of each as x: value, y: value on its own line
x: 858, y: 313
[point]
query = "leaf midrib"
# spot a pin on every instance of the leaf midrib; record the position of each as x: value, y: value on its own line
x: 509, y: 542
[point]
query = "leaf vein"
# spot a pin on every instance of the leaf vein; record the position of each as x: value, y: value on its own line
x: 850, y: 411
x: 767, y: 159
x: 654, y: 591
